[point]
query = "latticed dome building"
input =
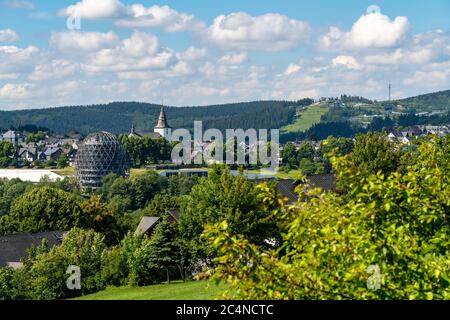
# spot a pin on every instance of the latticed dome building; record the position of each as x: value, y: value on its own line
x: 99, y: 155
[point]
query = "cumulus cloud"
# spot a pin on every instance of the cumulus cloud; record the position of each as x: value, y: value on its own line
x: 135, y: 15
x: 55, y: 69
x: 269, y: 32
x: 14, y: 60
x: 424, y: 48
x: 94, y: 9
x: 346, y: 61
x: 82, y: 41
x: 193, y: 54
x: 140, y: 51
x: 15, y: 91
x: 292, y: 68
x: 373, y: 30
x: 234, y: 58
x: 139, y: 16
x: 8, y: 35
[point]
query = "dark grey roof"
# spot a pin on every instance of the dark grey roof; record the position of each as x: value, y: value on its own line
x: 175, y: 214
x: 286, y: 188
x: 153, y: 135
x: 325, y: 181
x: 146, y: 225
x: 14, y: 247
x: 51, y: 151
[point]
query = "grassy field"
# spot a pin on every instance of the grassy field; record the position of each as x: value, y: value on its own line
x: 67, y: 171
x: 293, y: 174
x: 191, y: 290
x: 307, y: 119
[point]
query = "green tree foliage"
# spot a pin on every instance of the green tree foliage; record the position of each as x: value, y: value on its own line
x: 97, y: 216
x: 339, y: 146
x: 118, y: 117
x: 48, y: 270
x: 10, y: 190
x: 164, y: 246
x: 179, y: 185
x: 128, y: 263
x: 62, y: 162
x: 7, y: 288
x: 161, y: 205
x: 36, y: 136
x: 373, y: 152
x: 146, y: 150
x: 134, y: 193
x: 42, y: 209
x: 222, y: 196
x: 290, y: 155
x: 7, y: 151
x: 387, y: 238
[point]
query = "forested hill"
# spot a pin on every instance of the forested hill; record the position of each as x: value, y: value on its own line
x: 432, y: 101
x: 118, y: 117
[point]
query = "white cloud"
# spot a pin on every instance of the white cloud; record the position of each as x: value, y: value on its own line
x: 435, y: 75
x: 424, y: 48
x: 82, y: 41
x: 292, y: 68
x: 193, y: 54
x: 15, y: 91
x: 18, y: 4
x: 139, y: 16
x: 94, y: 9
x: 269, y: 32
x: 135, y: 15
x: 373, y: 30
x: 233, y: 58
x: 8, y: 35
x: 140, y: 51
x: 67, y: 88
x: 55, y: 69
x: 18, y: 60
x: 346, y: 61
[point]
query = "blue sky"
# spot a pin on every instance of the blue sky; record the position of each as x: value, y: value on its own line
x: 204, y: 52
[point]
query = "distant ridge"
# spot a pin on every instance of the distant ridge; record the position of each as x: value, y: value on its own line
x: 118, y: 117
x: 435, y: 100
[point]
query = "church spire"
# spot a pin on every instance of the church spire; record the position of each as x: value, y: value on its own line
x: 162, y: 122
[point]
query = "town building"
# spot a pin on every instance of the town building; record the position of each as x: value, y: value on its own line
x: 13, y: 248
x: 16, y: 138
x: 161, y: 130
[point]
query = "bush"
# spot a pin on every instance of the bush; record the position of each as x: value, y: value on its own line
x: 386, y: 238
x: 42, y: 209
x: 48, y: 270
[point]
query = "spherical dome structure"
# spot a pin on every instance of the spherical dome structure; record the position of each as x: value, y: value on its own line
x: 99, y: 155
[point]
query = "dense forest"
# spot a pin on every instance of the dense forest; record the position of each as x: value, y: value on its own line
x: 118, y: 117
x: 431, y: 101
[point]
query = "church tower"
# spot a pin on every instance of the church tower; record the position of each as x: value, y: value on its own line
x: 162, y: 127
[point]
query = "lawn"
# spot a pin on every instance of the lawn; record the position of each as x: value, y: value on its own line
x: 293, y: 174
x: 308, y: 117
x: 67, y: 171
x: 191, y: 290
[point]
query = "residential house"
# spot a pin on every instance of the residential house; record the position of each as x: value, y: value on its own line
x: 13, y: 248
x: 16, y: 138
x: 53, y: 153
